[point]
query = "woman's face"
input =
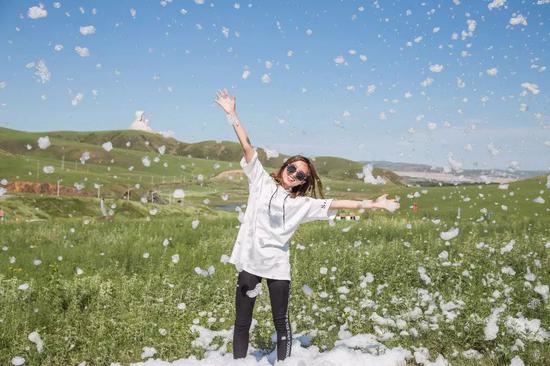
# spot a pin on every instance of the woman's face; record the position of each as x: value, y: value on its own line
x: 289, y: 179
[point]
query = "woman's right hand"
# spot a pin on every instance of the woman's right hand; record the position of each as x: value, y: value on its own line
x: 226, y: 101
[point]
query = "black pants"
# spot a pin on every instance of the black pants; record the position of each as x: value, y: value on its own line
x: 279, y: 291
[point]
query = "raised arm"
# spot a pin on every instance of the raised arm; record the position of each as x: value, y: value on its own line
x: 381, y: 202
x: 228, y: 104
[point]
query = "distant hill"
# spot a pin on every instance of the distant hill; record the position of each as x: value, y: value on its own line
x: 424, y: 168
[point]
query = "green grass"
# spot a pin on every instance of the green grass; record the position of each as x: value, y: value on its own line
x: 122, y: 299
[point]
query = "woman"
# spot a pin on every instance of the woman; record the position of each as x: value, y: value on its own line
x: 277, y: 205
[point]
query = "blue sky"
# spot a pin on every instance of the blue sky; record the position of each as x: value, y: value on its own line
x: 366, y: 80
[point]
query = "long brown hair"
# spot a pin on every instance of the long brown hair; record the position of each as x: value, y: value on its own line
x: 311, y: 187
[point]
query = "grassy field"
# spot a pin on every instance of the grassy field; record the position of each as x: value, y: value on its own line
x: 100, y: 291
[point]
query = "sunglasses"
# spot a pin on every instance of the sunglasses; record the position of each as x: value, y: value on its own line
x: 300, y: 175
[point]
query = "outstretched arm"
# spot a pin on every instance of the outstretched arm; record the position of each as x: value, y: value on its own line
x: 381, y: 202
x: 228, y: 104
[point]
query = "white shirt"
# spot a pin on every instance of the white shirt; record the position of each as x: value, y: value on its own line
x: 271, y: 218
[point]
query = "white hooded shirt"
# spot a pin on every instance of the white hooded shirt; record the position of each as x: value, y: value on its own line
x: 271, y: 218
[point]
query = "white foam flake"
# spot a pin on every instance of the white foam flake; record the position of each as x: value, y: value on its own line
x: 517, y: 20
x: 508, y: 247
x: 533, y: 88
x: 48, y: 169
x: 539, y: 199
x: 266, y: 79
x: 195, y: 224
x: 492, y: 71
x: 205, y: 272
x: 146, y: 161
x: 542, y: 290
x: 493, y: 149
x: 423, y: 276
x: 495, y: 4
x: 34, y: 337
x: 491, y: 326
x: 77, y: 99
x: 527, y: 329
x: 517, y: 361
x: 245, y: 74
x: 369, y: 178
x: 436, y: 68
x: 107, y: 146
x: 148, y: 352
x: 82, y: 51
x: 87, y: 30
x: 41, y: 72
x: 17, y: 361
x: 255, y: 292
x: 44, y: 142
x: 58, y: 47
x: 37, y: 12
x: 450, y: 234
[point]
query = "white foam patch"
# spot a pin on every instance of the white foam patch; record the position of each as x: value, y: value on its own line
x: 342, y: 354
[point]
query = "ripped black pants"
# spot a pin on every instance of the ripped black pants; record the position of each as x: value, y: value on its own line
x: 279, y: 291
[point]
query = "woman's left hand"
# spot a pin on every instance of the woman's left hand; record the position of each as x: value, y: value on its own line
x: 387, y: 204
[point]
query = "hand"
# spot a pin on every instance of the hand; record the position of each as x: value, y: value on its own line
x: 386, y: 204
x: 226, y: 101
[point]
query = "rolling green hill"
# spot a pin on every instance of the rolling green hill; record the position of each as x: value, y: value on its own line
x: 123, y: 166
